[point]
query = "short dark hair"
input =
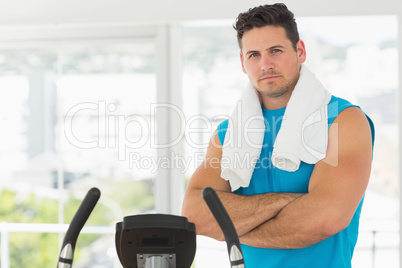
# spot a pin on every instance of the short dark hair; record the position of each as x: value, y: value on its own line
x: 274, y: 15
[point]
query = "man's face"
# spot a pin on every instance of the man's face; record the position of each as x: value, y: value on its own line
x: 271, y: 62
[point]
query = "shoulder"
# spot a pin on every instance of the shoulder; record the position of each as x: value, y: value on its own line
x: 351, y: 135
x: 343, y: 111
x: 352, y: 118
x: 336, y: 106
x: 351, y: 125
x: 351, y: 131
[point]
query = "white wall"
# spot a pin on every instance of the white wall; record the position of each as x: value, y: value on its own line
x: 51, y: 12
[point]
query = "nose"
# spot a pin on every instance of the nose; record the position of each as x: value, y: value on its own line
x: 266, y: 63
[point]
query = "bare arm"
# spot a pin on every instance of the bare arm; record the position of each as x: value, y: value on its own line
x: 246, y: 212
x: 336, y: 188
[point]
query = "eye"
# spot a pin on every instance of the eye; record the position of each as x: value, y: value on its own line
x: 276, y: 50
x: 253, y: 55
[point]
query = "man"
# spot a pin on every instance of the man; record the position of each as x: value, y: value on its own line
x: 306, y: 218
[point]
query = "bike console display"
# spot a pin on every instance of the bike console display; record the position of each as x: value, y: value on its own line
x: 155, y: 240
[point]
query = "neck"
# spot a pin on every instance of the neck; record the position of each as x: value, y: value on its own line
x: 275, y: 103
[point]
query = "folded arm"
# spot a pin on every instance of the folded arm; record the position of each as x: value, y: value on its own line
x: 246, y: 212
x: 336, y: 188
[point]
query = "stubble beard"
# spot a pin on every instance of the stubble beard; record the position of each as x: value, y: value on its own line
x: 273, y: 91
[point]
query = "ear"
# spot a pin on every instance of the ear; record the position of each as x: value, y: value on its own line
x: 301, y: 51
x: 242, y: 63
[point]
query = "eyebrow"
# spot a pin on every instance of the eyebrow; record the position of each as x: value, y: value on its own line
x: 276, y: 46
x: 270, y: 48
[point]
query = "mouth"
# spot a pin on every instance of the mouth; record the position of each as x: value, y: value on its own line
x: 269, y: 78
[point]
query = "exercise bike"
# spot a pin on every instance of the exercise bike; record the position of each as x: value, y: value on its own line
x: 154, y: 240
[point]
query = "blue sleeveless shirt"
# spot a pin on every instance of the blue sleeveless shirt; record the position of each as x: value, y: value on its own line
x: 333, y: 252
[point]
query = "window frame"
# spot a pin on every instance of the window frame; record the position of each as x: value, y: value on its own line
x: 169, y: 183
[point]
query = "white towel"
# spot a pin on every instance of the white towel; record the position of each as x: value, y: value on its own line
x: 243, y: 140
x: 303, y: 135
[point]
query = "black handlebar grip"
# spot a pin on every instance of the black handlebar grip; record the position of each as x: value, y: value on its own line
x: 226, y: 224
x: 78, y: 221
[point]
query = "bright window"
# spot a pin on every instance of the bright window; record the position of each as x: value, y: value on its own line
x: 75, y: 115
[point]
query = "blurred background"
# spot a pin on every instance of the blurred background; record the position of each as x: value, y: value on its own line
x: 124, y: 95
